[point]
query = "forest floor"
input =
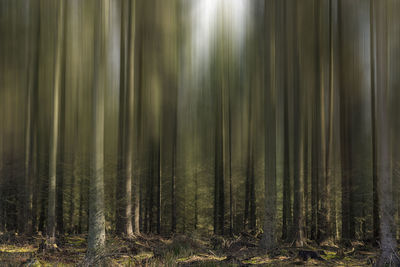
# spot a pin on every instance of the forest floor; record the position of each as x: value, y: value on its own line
x: 180, y: 250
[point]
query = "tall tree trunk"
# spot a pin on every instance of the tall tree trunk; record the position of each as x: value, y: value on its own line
x: 287, y: 210
x: 381, y: 11
x: 250, y: 186
x: 329, y: 177
x: 121, y: 178
x: 61, y: 162
x: 298, y: 219
x: 345, y: 141
x: 51, y: 213
x: 159, y: 175
x: 229, y: 167
x: 269, y: 239
x: 196, y: 198
x: 174, y: 163
x: 375, y: 209
x: 96, y: 235
x: 320, y: 167
x: 219, y: 197
x: 124, y: 214
x: 31, y: 123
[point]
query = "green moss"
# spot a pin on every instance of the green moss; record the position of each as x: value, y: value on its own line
x: 257, y: 260
x: 329, y: 255
x: 143, y: 256
x: 16, y: 249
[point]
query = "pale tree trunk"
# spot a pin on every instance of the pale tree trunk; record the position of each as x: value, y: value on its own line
x: 96, y: 235
x: 125, y: 216
x: 51, y: 213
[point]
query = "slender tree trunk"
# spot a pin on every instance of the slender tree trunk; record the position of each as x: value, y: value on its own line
x: 298, y: 219
x: 287, y: 209
x: 129, y: 119
x: 73, y: 185
x: 345, y: 141
x: 219, y: 197
x: 328, y: 164
x: 51, y: 214
x: 306, y: 171
x: 250, y: 186
x: 31, y: 124
x: 121, y: 178
x: 159, y: 175
x: 173, y: 176
x: 230, y: 167
x: 375, y: 209
x: 321, y: 194
x: 61, y: 162
x: 269, y: 239
x: 196, y: 198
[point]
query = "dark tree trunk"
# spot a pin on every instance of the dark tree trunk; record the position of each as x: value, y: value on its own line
x: 269, y: 239
x: 287, y: 209
x: 375, y: 209
x: 298, y: 219
x: 381, y: 10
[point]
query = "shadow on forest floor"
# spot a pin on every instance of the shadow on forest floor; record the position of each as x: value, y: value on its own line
x: 180, y: 250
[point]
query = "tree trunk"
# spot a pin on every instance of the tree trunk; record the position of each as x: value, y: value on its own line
x: 61, y: 163
x: 287, y: 209
x: 159, y: 175
x: 345, y: 138
x: 51, y: 214
x: 96, y: 235
x: 219, y: 166
x: 328, y: 164
x: 174, y: 150
x: 31, y: 124
x: 375, y: 209
x: 298, y: 218
x: 196, y: 197
x: 126, y: 121
x: 381, y: 11
x: 121, y: 178
x: 269, y: 239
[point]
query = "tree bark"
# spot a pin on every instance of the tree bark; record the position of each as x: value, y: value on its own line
x: 287, y: 209
x: 127, y: 101
x: 269, y: 238
x: 298, y: 218
x: 96, y: 235
x: 388, y: 243
x: 375, y: 209
x: 51, y: 214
